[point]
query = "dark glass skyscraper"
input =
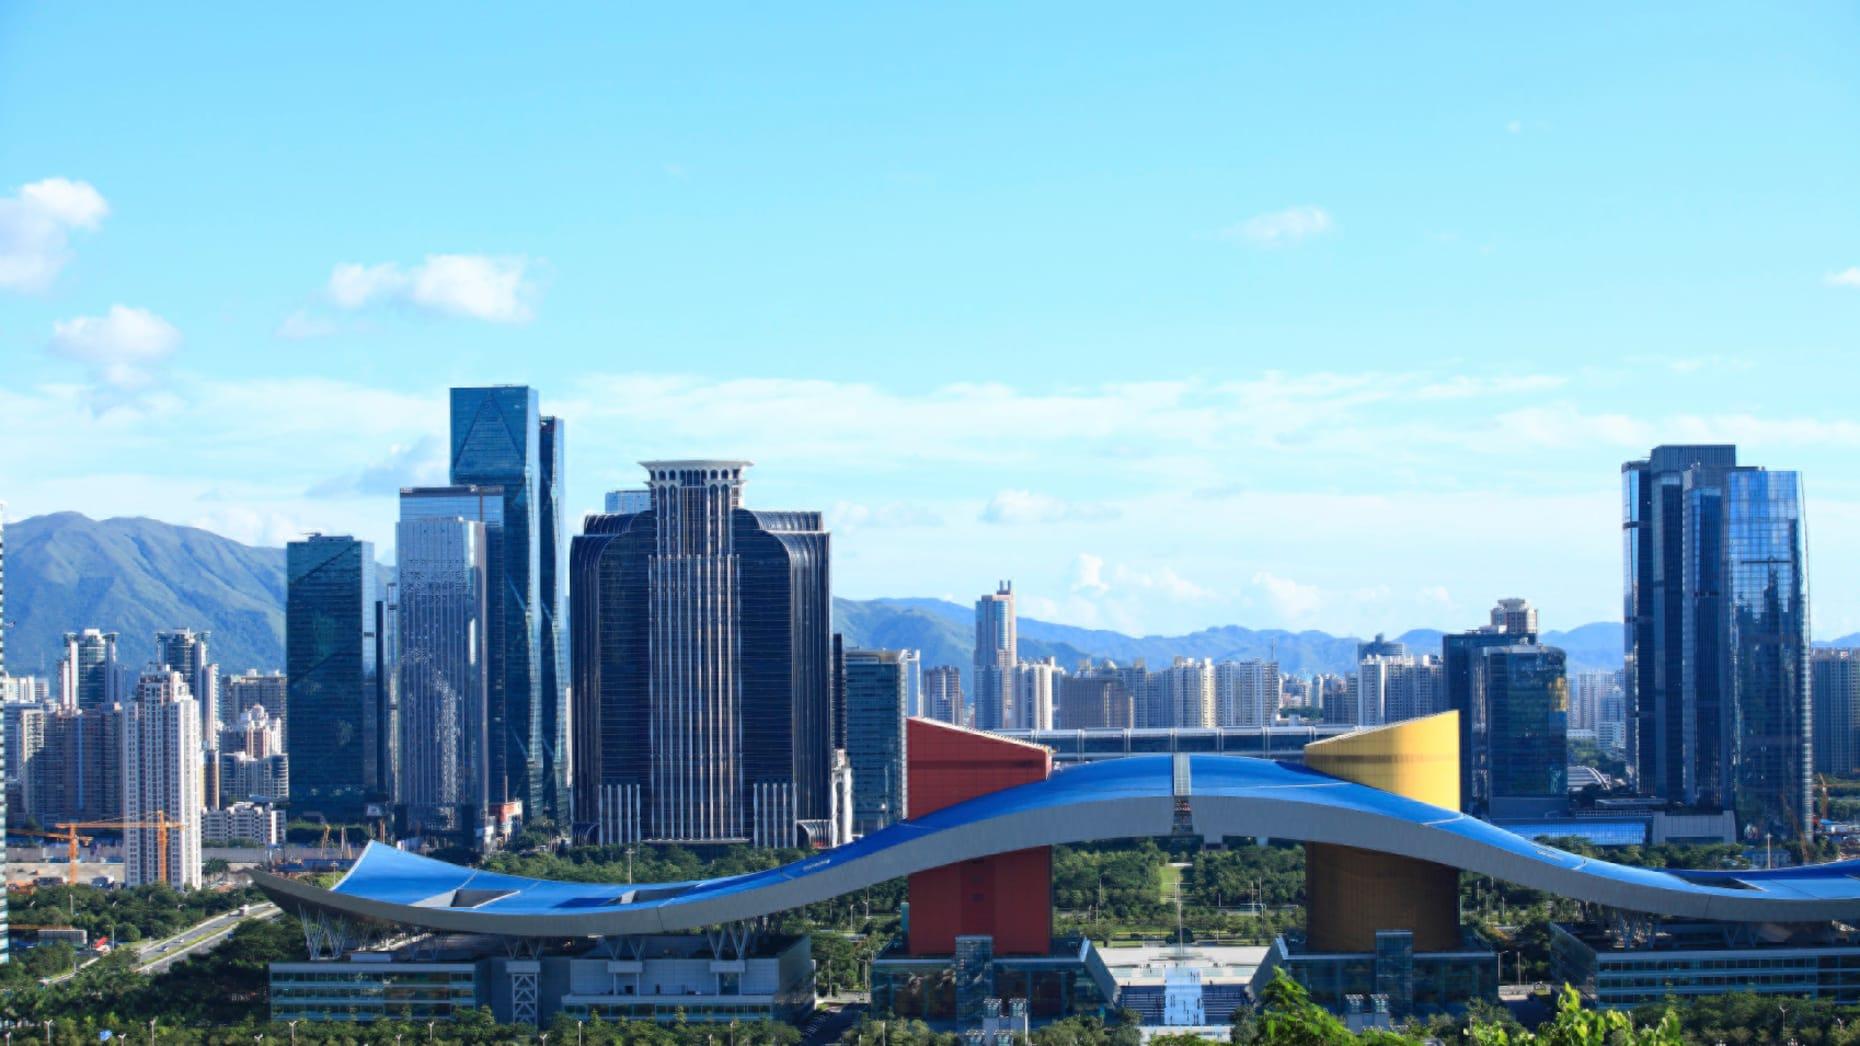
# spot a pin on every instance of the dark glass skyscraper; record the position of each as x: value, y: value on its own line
x: 552, y: 592
x: 1715, y: 605
x: 1525, y: 690
x: 330, y: 655
x: 1459, y: 654
x: 496, y: 436
x: 701, y: 652
x: 876, y: 694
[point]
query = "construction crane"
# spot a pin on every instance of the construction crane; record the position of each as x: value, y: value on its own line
x: 69, y: 836
x: 162, y: 825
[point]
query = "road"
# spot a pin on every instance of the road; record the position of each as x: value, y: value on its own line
x: 156, y: 956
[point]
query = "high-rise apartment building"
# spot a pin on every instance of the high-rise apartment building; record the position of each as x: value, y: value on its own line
x: 703, y: 675
x: 1033, y: 685
x: 162, y: 782
x: 443, y: 602
x: 943, y: 695
x: 241, y: 692
x: 1717, y: 659
x: 1835, y: 686
x: 1380, y: 647
x: 1246, y: 693
x: 1094, y: 698
x: 1389, y: 689
x: 497, y: 442
x: 1524, y: 691
x: 72, y: 766
x: 877, y: 700
x: 997, y: 651
x: 1186, y: 693
x: 332, y: 663
x: 88, y: 675
x: 185, y: 651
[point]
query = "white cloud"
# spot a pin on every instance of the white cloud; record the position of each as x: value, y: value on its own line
x: 1515, y: 126
x: 850, y: 515
x: 420, y: 462
x: 1282, y: 228
x: 1435, y: 594
x: 35, y: 226
x: 475, y: 286
x: 1848, y: 277
x: 120, y: 347
x: 1013, y: 507
x: 1293, y: 601
x: 1088, y: 575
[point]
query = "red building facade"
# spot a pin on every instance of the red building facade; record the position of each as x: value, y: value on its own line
x: 1008, y: 896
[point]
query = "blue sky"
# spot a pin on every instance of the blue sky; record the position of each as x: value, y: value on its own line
x: 1340, y: 320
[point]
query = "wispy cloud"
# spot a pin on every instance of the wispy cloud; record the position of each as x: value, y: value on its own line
x: 121, y: 348
x: 1848, y: 277
x: 1283, y: 228
x: 35, y: 227
x: 474, y: 286
x: 1016, y: 507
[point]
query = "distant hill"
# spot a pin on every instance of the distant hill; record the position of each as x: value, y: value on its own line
x: 66, y: 572
x: 134, y: 576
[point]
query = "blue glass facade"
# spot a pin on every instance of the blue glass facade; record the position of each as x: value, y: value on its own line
x: 1716, y: 614
x: 495, y: 437
x: 552, y: 590
x: 1525, y: 690
x: 1769, y: 740
x: 1460, y: 655
x: 331, y: 662
x: 875, y: 701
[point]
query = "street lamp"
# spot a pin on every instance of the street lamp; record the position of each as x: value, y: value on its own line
x: 293, y: 1025
x: 151, y: 1029
x: 578, y: 1025
x: 429, y: 1030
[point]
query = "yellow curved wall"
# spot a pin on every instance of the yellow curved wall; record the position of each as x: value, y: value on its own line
x: 1352, y: 893
x: 1416, y: 758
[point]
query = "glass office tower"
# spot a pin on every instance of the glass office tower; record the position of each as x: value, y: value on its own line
x: 552, y: 591
x: 496, y: 433
x: 1525, y: 690
x: 441, y: 614
x: 1715, y: 602
x: 701, y: 652
x: 877, y: 700
x: 331, y: 666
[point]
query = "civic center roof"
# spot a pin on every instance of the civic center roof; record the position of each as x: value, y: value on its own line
x: 1228, y: 796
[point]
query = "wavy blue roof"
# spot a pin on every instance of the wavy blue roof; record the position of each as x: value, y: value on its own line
x: 1229, y: 796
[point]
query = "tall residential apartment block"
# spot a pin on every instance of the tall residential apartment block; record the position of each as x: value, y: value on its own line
x: 88, y: 674
x: 1246, y: 693
x: 442, y: 609
x: 1391, y: 688
x: 1096, y: 697
x: 239, y: 693
x: 1184, y: 692
x: 1835, y: 686
x: 162, y: 785
x: 185, y: 651
x: 877, y: 704
x: 1715, y: 602
x: 500, y: 438
x: 332, y: 662
x: 943, y: 695
x: 703, y: 667
x: 71, y: 763
x: 997, y: 652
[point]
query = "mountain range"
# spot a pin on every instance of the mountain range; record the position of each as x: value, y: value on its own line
x: 133, y: 576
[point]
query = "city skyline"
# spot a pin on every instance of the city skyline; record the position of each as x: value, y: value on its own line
x: 1219, y: 377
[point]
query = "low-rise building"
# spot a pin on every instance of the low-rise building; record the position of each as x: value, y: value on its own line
x: 242, y: 822
x: 1643, y: 961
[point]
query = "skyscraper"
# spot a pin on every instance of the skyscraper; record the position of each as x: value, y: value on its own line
x: 1459, y: 655
x: 702, y: 650
x: 240, y: 692
x: 1246, y: 693
x: 88, y: 676
x: 997, y: 651
x: 943, y: 694
x: 1093, y: 698
x: 1390, y: 689
x: 442, y: 605
x: 496, y: 441
x: 626, y: 502
x: 1032, y: 703
x: 332, y: 662
x: 1716, y: 611
x: 1524, y: 689
x: 162, y: 781
x: 1188, y: 689
x: 552, y: 596
x: 1835, y: 678
x: 1515, y: 616
x: 876, y: 707
x: 185, y: 651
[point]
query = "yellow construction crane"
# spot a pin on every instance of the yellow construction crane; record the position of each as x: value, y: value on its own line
x: 161, y: 824
x: 70, y: 837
